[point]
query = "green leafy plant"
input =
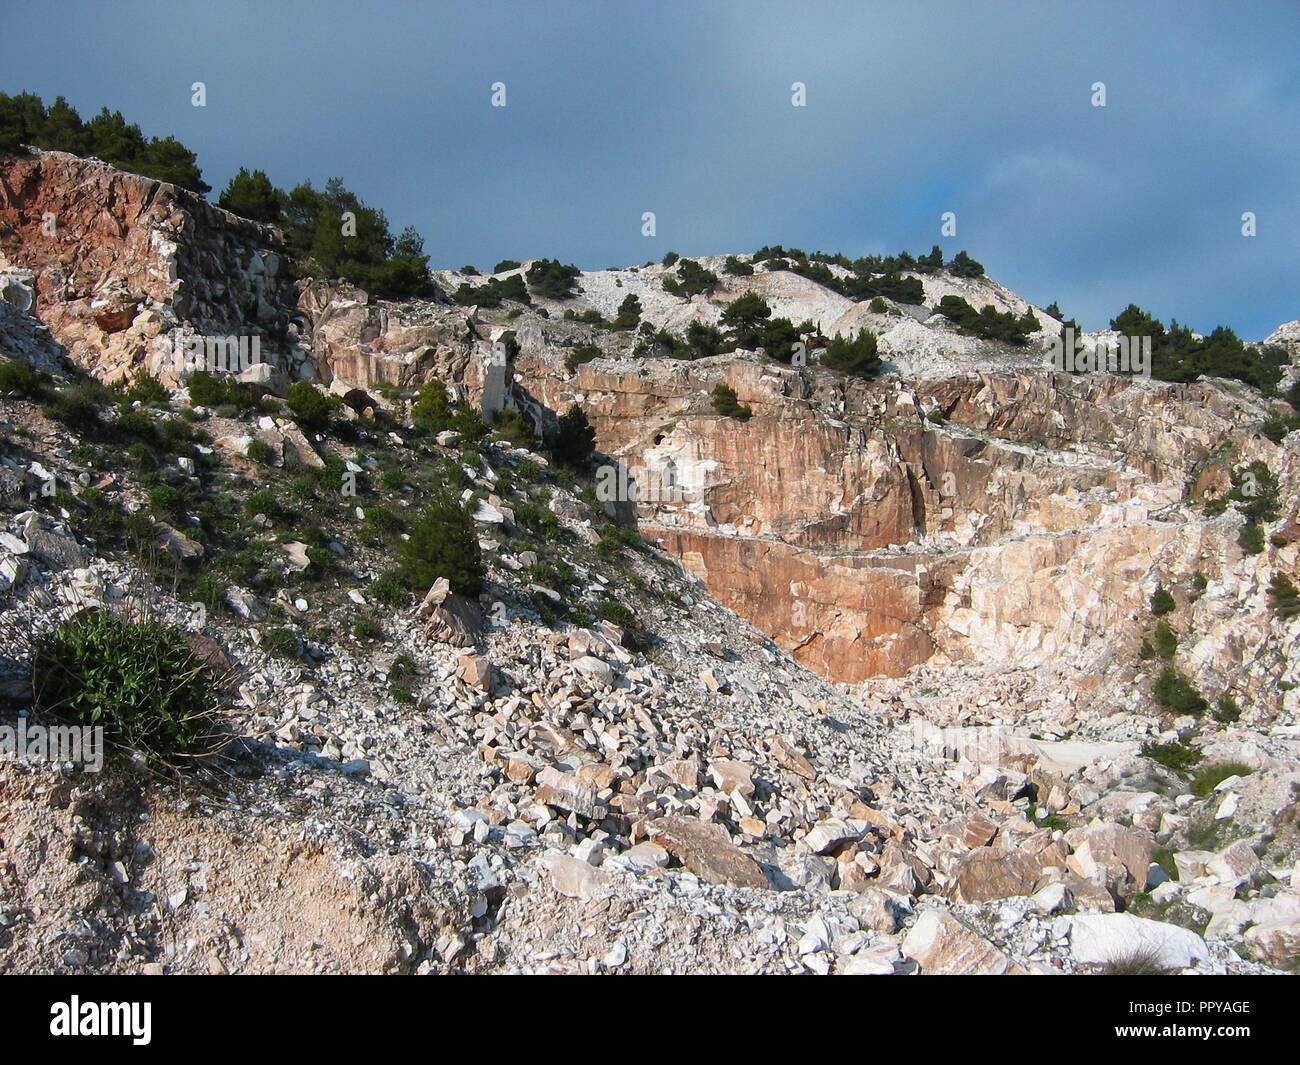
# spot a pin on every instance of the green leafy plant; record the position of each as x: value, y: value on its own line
x: 1162, y: 602
x: 1165, y: 640
x: 726, y: 403
x: 1211, y: 776
x: 1175, y: 692
x: 442, y: 543
x: 857, y: 356
x: 139, y: 679
x: 1251, y: 538
x: 1175, y: 755
x: 1283, y: 596
x: 580, y: 354
x: 575, y: 439
x: 310, y: 407
x: 18, y: 377
x: 551, y: 279
x: 1227, y: 709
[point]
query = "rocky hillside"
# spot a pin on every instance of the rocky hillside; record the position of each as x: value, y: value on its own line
x: 972, y: 666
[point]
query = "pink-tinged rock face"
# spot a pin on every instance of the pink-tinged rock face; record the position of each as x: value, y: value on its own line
x: 866, y: 540
x: 121, y: 260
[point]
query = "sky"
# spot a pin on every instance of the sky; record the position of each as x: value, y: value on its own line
x: 982, y: 108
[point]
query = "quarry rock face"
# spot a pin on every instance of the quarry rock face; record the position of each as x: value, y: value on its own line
x: 125, y: 265
x: 978, y: 508
x: 1030, y: 522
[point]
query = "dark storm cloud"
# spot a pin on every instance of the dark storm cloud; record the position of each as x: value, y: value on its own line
x: 684, y: 109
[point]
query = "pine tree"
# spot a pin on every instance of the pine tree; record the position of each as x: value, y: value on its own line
x: 575, y: 440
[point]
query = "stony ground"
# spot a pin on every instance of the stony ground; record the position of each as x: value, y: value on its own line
x: 516, y: 785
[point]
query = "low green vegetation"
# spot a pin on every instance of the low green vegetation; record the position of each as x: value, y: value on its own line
x: 1283, y: 596
x: 725, y: 402
x: 1176, y: 693
x: 1162, y: 601
x: 857, y: 356
x: 989, y: 323
x: 1177, y: 756
x: 552, y: 279
x: 442, y: 543
x: 138, y: 678
x: 1209, y: 777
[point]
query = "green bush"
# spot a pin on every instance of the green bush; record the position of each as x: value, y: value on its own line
x: 613, y: 611
x: 629, y: 313
x: 516, y: 427
x: 147, y: 389
x: 692, y: 279
x: 209, y: 390
x: 493, y: 292
x: 432, y: 409
x: 442, y: 543
x: 552, y: 279
x: 138, y: 426
x: 140, y: 680
x: 387, y: 590
x: 310, y: 407
x: 1227, y: 710
x: 745, y: 317
x: 580, y: 354
x: 78, y: 406
x: 1211, y: 776
x: 167, y: 502
x: 575, y: 439
x: 857, y: 356
x: 1166, y: 641
x: 962, y: 265
x: 260, y: 452
x: 1255, y: 492
x: 1283, y: 596
x: 262, y: 502
x: 737, y: 268
x: 779, y: 337
x: 1175, y: 692
x: 1251, y: 538
x: 18, y: 377
x: 280, y: 641
x: 989, y: 323
x: 1162, y: 602
x: 365, y: 628
x: 725, y: 402
x: 1276, y: 427
x: 1176, y: 755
